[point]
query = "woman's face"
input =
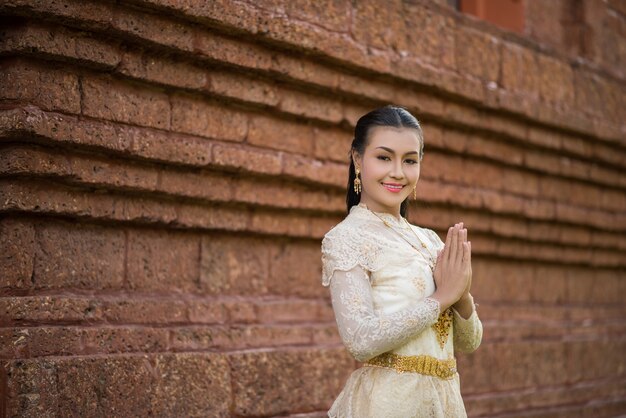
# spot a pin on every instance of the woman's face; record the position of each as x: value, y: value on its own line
x: 390, y: 168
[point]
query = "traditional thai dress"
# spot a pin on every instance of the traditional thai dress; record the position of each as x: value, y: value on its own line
x: 380, y: 287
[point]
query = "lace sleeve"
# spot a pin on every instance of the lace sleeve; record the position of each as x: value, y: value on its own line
x: 343, y: 249
x: 366, y: 333
x: 468, y: 333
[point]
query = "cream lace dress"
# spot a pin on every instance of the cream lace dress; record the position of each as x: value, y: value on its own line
x: 380, y: 288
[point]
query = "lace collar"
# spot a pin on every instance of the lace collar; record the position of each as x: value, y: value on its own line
x: 361, y: 207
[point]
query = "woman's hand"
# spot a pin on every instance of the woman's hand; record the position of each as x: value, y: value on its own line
x: 453, y: 271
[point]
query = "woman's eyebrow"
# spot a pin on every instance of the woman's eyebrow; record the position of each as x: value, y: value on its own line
x: 393, y: 152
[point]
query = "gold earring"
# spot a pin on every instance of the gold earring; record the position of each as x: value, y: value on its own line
x: 357, y: 182
x: 415, y: 192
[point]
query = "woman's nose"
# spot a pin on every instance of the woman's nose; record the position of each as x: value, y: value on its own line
x: 396, y: 171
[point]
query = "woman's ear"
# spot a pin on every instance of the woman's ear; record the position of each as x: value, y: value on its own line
x: 356, y: 159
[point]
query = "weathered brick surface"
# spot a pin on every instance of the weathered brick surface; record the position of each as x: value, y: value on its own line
x: 168, y: 170
x: 160, y: 385
x: 277, y: 382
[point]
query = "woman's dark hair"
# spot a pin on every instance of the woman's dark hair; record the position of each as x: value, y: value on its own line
x: 389, y: 115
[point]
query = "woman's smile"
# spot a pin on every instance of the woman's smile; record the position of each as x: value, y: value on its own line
x: 393, y: 187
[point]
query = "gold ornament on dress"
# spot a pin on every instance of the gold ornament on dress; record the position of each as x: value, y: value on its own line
x: 357, y: 182
x: 423, y: 364
x: 442, y: 327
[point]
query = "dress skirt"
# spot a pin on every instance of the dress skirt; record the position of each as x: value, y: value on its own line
x: 381, y: 392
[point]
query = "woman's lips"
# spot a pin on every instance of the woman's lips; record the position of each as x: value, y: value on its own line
x: 393, y: 189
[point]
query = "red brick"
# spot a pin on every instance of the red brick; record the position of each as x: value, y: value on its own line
x: 145, y: 310
x: 170, y: 147
x: 280, y: 134
x: 519, y: 70
x: 210, y: 312
x: 326, y: 335
x: 289, y: 311
x: 78, y: 256
x: 156, y: 69
x: 192, y: 384
x: 240, y: 87
x: 309, y: 105
x: 275, y: 223
x: 332, y: 15
x: 198, y: 116
x: 158, y: 29
x: 31, y: 388
x: 161, y: 385
x: 315, y: 170
x: 590, y: 91
x: 46, y: 309
x: 48, y: 87
x: 535, y: 208
x: 542, y: 161
x: 478, y: 54
x: 33, y: 160
x: 107, y: 340
x: 163, y: 260
x: 261, y: 191
x: 609, y: 286
x: 139, y: 209
x: 556, y: 80
x: 98, y: 170
x: 540, y: 18
x: 67, y: 129
x: 199, y: 216
x: 112, y: 99
x: 297, y: 67
x: 17, y: 251
x: 498, y: 281
x: 246, y: 159
x: 270, y: 335
x: 237, y: 337
x: 234, y: 51
x: 295, y: 269
x: 234, y: 265
x: 191, y: 184
x: 382, y: 22
x: 241, y: 311
x: 435, y: 39
x: 261, y: 380
x: 463, y: 115
x: 331, y: 144
x: 40, y: 38
x: 41, y: 341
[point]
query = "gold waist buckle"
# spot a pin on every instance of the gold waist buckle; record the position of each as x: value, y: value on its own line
x: 423, y: 364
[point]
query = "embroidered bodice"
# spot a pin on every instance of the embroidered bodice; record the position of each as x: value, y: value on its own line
x: 380, y: 287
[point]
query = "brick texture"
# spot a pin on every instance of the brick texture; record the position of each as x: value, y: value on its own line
x: 168, y: 169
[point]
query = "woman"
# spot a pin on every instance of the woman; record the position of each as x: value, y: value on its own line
x: 401, y: 296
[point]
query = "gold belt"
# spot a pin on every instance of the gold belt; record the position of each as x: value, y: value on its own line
x: 423, y: 364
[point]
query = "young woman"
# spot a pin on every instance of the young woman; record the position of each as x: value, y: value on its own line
x: 401, y: 296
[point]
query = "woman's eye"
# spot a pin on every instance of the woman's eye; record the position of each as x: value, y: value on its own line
x: 412, y: 161
x: 382, y: 157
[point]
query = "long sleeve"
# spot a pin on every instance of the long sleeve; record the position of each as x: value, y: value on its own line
x: 468, y: 333
x: 366, y: 333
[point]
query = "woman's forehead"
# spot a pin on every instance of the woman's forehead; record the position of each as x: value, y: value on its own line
x: 399, y: 139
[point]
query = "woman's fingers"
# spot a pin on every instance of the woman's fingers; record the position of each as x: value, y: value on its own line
x: 454, y: 256
x: 467, y: 256
x: 446, y: 248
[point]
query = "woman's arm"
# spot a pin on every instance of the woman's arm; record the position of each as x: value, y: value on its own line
x: 467, y: 328
x: 366, y: 333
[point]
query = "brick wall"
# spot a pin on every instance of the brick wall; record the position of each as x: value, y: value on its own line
x: 168, y: 169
